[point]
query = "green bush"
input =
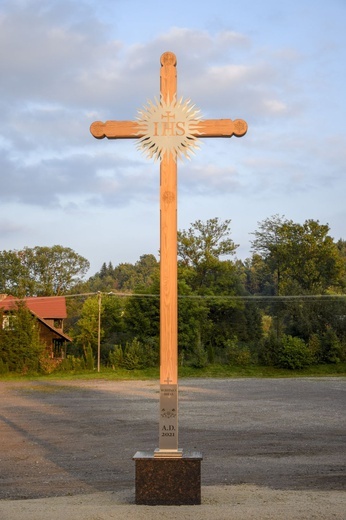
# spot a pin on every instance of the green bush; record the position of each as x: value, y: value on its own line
x: 3, y: 367
x: 116, y: 357
x: 293, y: 353
x: 314, y: 345
x: 236, y: 354
x: 331, y: 349
x: 199, y: 357
x: 89, y: 358
x: 134, y: 355
x: 211, y: 354
x: 20, y: 345
x: 268, y: 350
x: 72, y: 363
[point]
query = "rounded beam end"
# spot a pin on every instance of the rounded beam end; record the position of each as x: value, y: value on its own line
x: 97, y: 129
x: 168, y: 58
x: 240, y: 127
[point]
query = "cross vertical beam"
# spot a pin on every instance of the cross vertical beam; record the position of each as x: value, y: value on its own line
x: 168, y: 271
x: 168, y: 241
x: 168, y: 429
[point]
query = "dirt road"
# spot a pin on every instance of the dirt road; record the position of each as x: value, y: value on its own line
x: 72, y: 438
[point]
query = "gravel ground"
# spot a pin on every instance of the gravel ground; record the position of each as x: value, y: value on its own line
x: 272, y: 448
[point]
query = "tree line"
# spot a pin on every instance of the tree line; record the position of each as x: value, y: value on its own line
x: 284, y: 306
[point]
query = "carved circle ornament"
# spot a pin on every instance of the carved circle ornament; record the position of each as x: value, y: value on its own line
x: 168, y: 127
x: 168, y: 197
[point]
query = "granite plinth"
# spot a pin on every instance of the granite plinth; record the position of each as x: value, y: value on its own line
x: 168, y: 481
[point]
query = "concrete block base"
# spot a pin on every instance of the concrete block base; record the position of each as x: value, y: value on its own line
x: 168, y: 481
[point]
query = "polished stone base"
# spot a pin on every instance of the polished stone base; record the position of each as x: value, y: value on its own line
x: 168, y: 481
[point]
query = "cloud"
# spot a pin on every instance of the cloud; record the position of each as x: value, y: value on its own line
x: 54, y: 180
x: 209, y: 179
x: 9, y: 228
x: 65, y: 69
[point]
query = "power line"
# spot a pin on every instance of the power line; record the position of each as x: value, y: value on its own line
x: 257, y: 298
x: 301, y: 297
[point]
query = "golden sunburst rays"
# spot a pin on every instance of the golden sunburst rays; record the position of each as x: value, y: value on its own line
x: 168, y: 127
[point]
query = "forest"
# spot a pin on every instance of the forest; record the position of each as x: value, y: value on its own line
x: 285, y: 306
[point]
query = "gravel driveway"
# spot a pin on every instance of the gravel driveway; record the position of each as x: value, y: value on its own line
x: 72, y: 438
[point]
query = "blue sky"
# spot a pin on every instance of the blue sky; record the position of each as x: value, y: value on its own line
x: 64, y: 64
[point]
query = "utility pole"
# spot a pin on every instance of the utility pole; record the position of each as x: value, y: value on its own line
x: 99, y: 295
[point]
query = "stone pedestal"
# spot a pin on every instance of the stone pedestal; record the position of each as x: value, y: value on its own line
x: 168, y: 481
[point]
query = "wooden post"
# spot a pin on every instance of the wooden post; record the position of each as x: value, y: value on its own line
x: 168, y: 424
x: 99, y: 301
x: 168, y: 240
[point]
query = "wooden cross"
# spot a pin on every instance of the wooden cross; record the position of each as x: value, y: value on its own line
x: 168, y: 206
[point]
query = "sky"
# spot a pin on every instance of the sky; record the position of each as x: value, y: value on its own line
x: 280, y: 66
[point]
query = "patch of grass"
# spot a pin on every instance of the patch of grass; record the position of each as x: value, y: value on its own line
x: 212, y: 371
x: 225, y: 371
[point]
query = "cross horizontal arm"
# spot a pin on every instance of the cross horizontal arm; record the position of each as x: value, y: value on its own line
x: 116, y: 130
x: 221, y: 128
x: 204, y: 128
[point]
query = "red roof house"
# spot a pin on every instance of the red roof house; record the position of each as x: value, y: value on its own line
x: 50, y: 312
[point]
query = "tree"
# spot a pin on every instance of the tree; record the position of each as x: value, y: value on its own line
x: 205, y: 242
x: 259, y: 279
x: 14, y: 278
x: 41, y: 271
x: 55, y: 270
x: 125, y: 277
x: 147, y: 269
x: 105, y: 271
x: 212, y: 322
x: 128, y: 277
x: 142, y: 314
x: 85, y: 330
x: 194, y: 326
x: 303, y: 258
x: 199, y: 251
x: 85, y: 333
x: 341, y: 244
x: 268, y: 245
x: 20, y: 347
x: 112, y: 320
